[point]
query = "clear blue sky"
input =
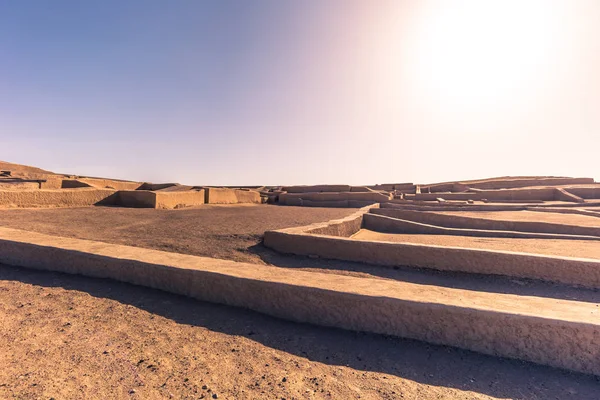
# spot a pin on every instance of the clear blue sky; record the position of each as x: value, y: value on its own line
x: 283, y: 92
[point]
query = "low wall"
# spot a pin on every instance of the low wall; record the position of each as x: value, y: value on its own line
x: 564, y: 336
x: 381, y: 223
x: 518, y: 183
x: 573, y: 271
x: 563, y: 195
x: 56, y: 197
x: 316, y: 188
x: 546, y: 194
x: 167, y: 200
x: 74, y: 184
x: 294, y: 198
x: 564, y: 210
x: 506, y: 183
x: 154, y: 186
x: 344, y: 227
x: 179, y: 199
x: 360, y: 189
x: 326, y: 203
x: 51, y: 183
x: 136, y: 198
x: 19, y: 185
x: 586, y: 192
x: 393, y: 186
x: 452, y: 207
x: 454, y: 221
x: 230, y: 196
x: 110, y: 183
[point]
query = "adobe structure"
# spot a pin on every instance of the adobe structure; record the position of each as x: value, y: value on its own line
x: 526, y: 228
x: 32, y: 187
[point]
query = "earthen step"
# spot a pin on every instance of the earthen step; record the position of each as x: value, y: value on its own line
x: 553, y: 332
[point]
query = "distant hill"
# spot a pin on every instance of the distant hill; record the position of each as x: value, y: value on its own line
x: 24, y: 171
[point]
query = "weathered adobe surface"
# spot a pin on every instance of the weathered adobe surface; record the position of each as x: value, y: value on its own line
x: 230, y: 196
x: 110, y: 183
x: 56, y: 197
x: 335, y: 199
x: 87, y: 196
x: 162, y: 200
x: 559, y: 333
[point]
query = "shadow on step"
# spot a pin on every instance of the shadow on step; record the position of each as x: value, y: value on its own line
x: 409, y: 359
x: 457, y: 280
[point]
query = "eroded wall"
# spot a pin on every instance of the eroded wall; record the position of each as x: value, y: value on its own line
x: 231, y: 196
x: 56, y: 198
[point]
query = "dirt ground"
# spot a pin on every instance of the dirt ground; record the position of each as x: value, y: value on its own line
x: 568, y: 248
x: 210, y: 230
x: 71, y: 337
x: 556, y: 218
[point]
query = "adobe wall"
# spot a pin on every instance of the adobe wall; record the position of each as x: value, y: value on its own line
x: 563, y: 195
x: 74, y: 184
x: 19, y: 185
x: 109, y: 183
x: 51, y: 183
x: 586, y: 192
x: 136, y: 198
x: 344, y: 227
x: 454, y: 221
x: 56, y: 197
x: 316, y: 188
x: 542, y: 193
x: 505, y: 183
x: 230, y: 196
x: 574, y: 271
x: 388, y: 187
x: 382, y: 223
x: 164, y: 200
x: 498, y: 324
x: 565, y: 210
x: 450, y: 206
x: 171, y: 200
x: 518, y: 183
x: 326, y: 203
x: 154, y: 186
x: 359, y: 189
x: 374, y: 197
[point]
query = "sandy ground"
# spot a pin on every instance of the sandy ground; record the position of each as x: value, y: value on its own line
x: 209, y: 230
x: 567, y: 219
x: 70, y: 337
x: 568, y: 248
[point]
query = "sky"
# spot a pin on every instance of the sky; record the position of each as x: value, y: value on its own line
x: 270, y: 92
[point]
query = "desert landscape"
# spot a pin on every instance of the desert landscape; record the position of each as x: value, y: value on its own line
x: 116, y: 289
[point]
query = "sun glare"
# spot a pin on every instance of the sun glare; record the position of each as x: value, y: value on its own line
x: 469, y: 56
